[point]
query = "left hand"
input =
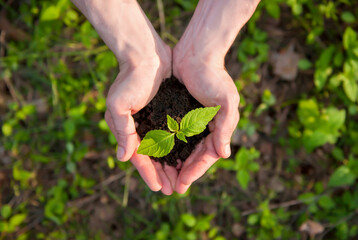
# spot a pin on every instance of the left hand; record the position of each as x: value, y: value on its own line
x: 208, y: 82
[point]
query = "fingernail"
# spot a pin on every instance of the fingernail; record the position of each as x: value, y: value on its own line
x: 120, y: 153
x: 182, y: 189
x: 227, y: 150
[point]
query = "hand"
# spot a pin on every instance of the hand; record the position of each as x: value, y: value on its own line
x: 209, y: 83
x: 198, y: 61
x: 133, y: 89
x: 144, y: 61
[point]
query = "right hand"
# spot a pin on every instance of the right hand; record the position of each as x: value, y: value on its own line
x: 135, y: 86
x: 144, y: 61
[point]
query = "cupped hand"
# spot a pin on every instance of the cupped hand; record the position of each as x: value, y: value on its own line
x: 207, y: 81
x: 144, y: 61
x: 133, y: 89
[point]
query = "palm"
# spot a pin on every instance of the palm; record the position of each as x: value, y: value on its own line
x: 210, y: 85
x: 132, y: 90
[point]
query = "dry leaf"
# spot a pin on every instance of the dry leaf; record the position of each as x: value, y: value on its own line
x: 237, y: 229
x: 285, y: 63
x: 311, y: 227
x: 41, y: 104
x: 276, y: 184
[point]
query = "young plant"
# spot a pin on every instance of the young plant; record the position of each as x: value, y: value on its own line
x: 158, y: 143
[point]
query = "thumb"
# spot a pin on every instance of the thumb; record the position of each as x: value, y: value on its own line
x: 123, y: 127
x: 225, y: 124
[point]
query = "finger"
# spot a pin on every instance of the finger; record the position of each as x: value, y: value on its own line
x: 172, y: 174
x: 203, y: 161
x: 180, y: 186
x: 198, y: 148
x: 211, y: 126
x: 225, y: 123
x: 123, y: 127
x: 147, y: 171
x: 167, y: 187
x: 179, y: 164
x: 194, y: 171
x: 196, y: 165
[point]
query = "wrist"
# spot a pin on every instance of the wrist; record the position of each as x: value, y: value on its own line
x: 211, y: 32
x: 159, y: 61
x: 192, y: 57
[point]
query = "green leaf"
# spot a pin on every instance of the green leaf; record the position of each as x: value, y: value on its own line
x: 4, y: 226
x: 71, y: 18
x: 320, y: 76
x: 188, y: 219
x: 242, y: 158
x: 348, y: 17
x: 50, y: 13
x: 212, y: 233
x: 268, y: 98
x: 254, y: 167
x: 273, y: 9
x: 110, y: 162
x: 105, y: 61
x: 326, y: 202
x: 350, y: 88
x: 181, y: 136
x: 77, y: 112
x: 312, y: 140
x: 355, y: 51
x: 243, y: 177
x: 349, y: 38
x: 341, y: 177
x: 16, y: 220
x: 6, y: 211
x: 338, y: 154
x: 338, y: 59
x: 227, y: 164
x: 220, y: 238
x: 203, y: 223
x: 325, y: 58
x: 304, y: 64
x: 102, y: 124
x: 156, y: 143
x: 253, y: 219
x: 191, y: 235
x: 307, y: 198
x: 195, y: 121
x: 6, y: 129
x: 70, y: 128
x: 172, y: 124
x: 336, y: 80
x: 308, y: 112
x: 333, y: 120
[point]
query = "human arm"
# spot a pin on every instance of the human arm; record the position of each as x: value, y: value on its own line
x: 144, y: 61
x: 198, y: 61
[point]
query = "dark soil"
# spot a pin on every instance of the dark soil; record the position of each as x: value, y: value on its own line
x: 175, y: 100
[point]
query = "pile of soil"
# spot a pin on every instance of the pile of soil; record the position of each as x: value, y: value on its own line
x: 175, y: 100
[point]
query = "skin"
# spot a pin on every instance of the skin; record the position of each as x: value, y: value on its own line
x: 198, y: 60
x: 145, y: 60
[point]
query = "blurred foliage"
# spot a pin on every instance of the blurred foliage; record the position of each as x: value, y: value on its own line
x: 295, y: 154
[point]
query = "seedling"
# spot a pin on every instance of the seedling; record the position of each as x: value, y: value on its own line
x: 159, y: 143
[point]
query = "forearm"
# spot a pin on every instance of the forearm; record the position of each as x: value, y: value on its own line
x: 214, y: 27
x: 124, y: 28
